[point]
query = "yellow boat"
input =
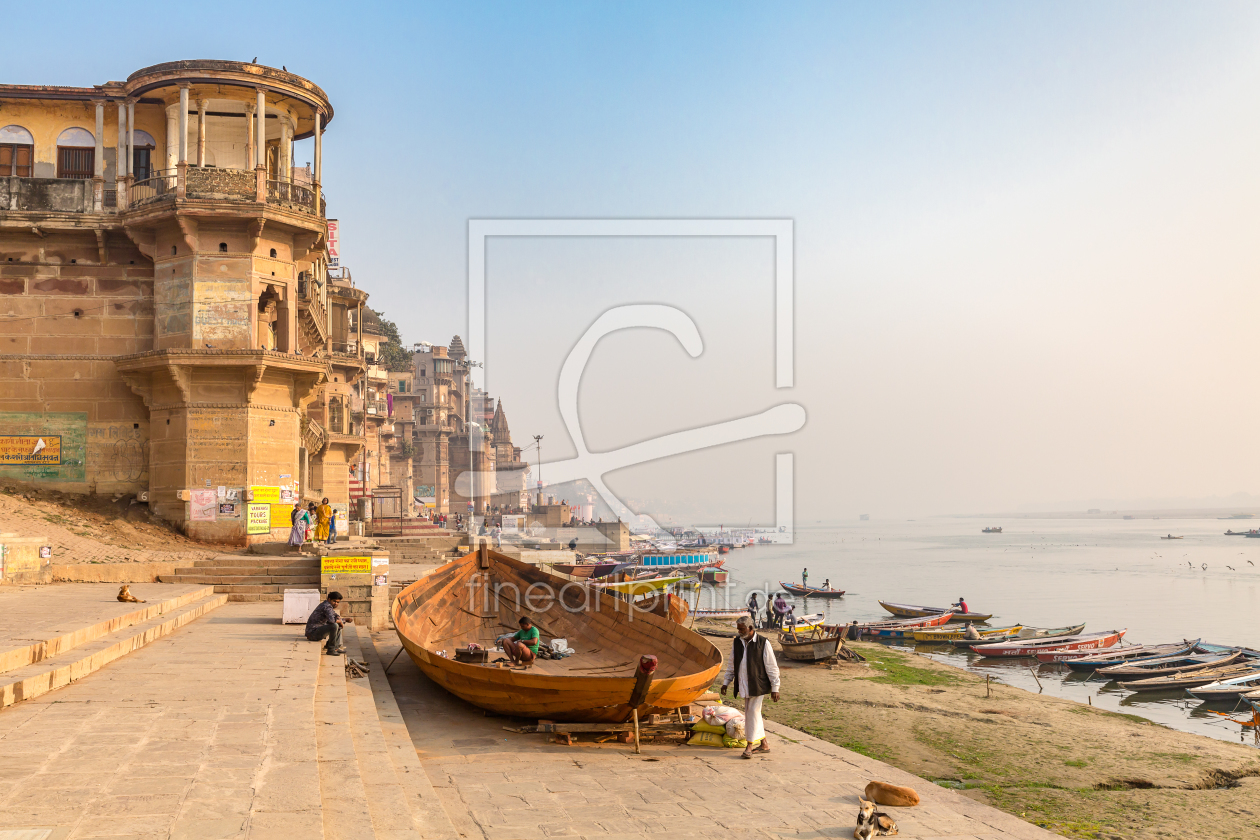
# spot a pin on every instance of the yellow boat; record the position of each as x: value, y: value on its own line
x: 947, y: 634
x: 638, y: 587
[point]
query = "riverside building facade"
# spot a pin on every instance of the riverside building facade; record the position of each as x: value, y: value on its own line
x: 168, y: 323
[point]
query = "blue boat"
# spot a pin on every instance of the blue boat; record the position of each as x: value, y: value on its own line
x: 1127, y: 657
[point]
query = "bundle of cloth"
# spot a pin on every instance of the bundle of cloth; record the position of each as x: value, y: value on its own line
x: 719, y: 726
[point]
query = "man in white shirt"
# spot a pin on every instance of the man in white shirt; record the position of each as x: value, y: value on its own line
x: 756, y: 671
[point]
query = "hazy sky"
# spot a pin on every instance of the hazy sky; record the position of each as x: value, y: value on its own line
x: 1025, y: 233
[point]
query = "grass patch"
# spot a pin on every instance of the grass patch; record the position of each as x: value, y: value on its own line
x: 892, y: 668
x: 1179, y: 757
x: 1076, y: 762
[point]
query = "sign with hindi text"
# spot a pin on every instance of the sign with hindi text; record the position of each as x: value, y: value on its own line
x: 341, y: 564
x: 30, y: 449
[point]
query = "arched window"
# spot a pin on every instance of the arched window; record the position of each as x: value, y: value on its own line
x: 17, y: 152
x: 142, y: 155
x: 76, y: 154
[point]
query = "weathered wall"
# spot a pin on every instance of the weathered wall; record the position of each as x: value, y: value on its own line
x: 45, y: 120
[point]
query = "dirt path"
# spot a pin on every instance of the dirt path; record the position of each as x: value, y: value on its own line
x: 1073, y: 769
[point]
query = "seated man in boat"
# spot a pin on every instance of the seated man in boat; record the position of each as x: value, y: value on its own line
x: 326, y: 622
x: 756, y: 673
x: 961, y: 606
x: 970, y: 632
x: 523, y: 646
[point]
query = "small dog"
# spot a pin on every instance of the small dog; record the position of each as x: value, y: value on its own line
x: 882, y: 793
x: 872, y: 823
x: 124, y: 594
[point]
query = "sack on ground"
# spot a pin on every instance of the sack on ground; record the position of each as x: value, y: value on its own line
x: 706, y: 739
x: 701, y: 726
x: 719, y: 715
x: 730, y: 742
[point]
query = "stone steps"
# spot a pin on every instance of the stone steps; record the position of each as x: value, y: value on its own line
x: 254, y: 561
x: 253, y: 580
x: 45, y: 648
x: 270, y: 571
x: 74, y: 663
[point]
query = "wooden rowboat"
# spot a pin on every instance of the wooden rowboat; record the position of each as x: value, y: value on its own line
x: 1164, y: 665
x: 719, y: 614
x: 905, y: 628
x: 583, y: 570
x: 1026, y: 633
x: 810, y: 591
x: 481, y: 596
x: 911, y: 611
x: 946, y: 634
x: 808, y: 649
x: 1032, y: 647
x: 1230, y: 689
x: 1189, y: 679
x: 1088, y: 660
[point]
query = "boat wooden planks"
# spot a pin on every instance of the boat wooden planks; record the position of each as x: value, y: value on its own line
x: 592, y: 685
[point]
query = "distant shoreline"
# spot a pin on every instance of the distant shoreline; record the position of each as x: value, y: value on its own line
x: 1225, y: 514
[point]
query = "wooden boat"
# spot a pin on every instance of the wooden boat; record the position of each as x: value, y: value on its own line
x: 481, y: 595
x: 583, y: 570
x: 814, y: 648
x: 1171, y: 537
x: 1085, y: 660
x: 946, y: 634
x: 997, y: 530
x: 637, y: 588
x: 1232, y: 533
x: 805, y: 624
x: 810, y: 591
x: 1026, y: 633
x: 1163, y: 665
x: 1188, y: 679
x: 1032, y: 647
x: 714, y: 575
x: 1230, y: 689
x: 904, y: 628
x: 719, y: 614
x: 911, y: 611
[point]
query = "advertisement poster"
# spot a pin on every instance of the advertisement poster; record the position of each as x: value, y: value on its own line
x: 340, y: 564
x: 334, y: 243
x: 203, y: 506
x: 258, y: 519
x: 30, y: 449
x: 511, y: 524
x: 341, y: 516
x: 281, y: 516
x: 266, y: 493
x: 228, y: 510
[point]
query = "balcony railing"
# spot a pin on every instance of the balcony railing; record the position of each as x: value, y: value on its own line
x: 291, y: 195
x: 159, y: 186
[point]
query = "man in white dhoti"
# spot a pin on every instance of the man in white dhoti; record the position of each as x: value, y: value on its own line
x: 756, y: 673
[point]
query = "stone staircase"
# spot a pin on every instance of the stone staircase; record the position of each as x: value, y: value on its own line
x: 435, y: 549
x: 28, y: 671
x: 245, y: 577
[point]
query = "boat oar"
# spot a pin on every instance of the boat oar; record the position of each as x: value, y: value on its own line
x: 642, y: 683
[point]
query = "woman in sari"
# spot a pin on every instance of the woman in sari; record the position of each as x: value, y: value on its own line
x: 301, y: 520
x: 323, y: 514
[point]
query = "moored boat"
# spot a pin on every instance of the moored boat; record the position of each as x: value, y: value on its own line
x: 996, y: 530
x: 912, y: 611
x: 1032, y: 647
x: 1230, y: 689
x: 584, y: 570
x: 713, y: 575
x: 636, y: 588
x: 1162, y: 665
x: 1188, y: 679
x: 903, y: 628
x: 1026, y: 633
x: 810, y: 591
x: 946, y: 634
x: 810, y: 649
x: 1085, y: 660
x: 479, y: 596
x: 719, y: 614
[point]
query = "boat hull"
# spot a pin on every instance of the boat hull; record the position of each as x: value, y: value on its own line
x: 912, y: 611
x: 810, y: 592
x: 1066, y: 643
x: 812, y: 650
x: 949, y: 634
x: 608, y: 633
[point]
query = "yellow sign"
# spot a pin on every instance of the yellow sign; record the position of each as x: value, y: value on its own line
x: 30, y: 449
x: 339, y: 564
x: 262, y: 493
x: 282, y: 515
x: 258, y: 519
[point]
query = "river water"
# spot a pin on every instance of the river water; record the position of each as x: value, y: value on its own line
x: 1110, y: 574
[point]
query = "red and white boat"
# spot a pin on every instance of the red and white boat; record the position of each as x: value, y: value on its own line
x: 1033, y: 647
x: 903, y: 628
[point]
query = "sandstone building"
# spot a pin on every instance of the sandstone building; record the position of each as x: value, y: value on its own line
x: 168, y: 323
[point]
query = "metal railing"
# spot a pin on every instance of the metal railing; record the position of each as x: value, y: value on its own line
x: 377, y: 407
x: 110, y: 199
x: 291, y: 195
x: 158, y: 186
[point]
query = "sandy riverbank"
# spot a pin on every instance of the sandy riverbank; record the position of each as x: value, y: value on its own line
x: 1073, y: 769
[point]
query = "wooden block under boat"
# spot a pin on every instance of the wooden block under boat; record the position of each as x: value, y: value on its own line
x: 474, y: 599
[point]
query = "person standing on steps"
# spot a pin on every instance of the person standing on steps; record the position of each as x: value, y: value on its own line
x: 756, y: 673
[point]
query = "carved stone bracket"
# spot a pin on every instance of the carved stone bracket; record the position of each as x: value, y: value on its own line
x: 141, y: 383
x: 305, y: 243
x: 102, y: 249
x: 255, y: 232
x: 304, y: 386
x: 145, y: 239
x: 188, y: 227
x: 181, y: 377
x: 253, y: 378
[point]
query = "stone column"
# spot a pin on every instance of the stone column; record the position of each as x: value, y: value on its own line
x: 131, y: 139
x: 98, y: 163
x: 181, y: 176
x: 201, y: 132
x: 172, y: 138
x: 317, y: 175
x: 122, y: 159
x: 286, y: 150
x: 249, y: 135
x: 260, y: 146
